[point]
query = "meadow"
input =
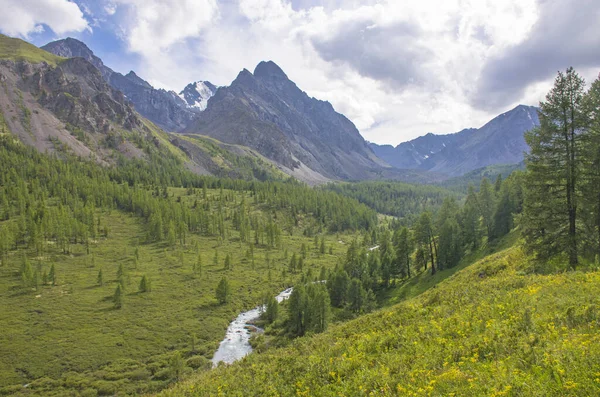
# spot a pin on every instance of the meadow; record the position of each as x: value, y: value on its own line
x: 69, y: 339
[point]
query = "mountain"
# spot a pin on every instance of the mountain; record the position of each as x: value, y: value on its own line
x: 58, y: 104
x: 196, y: 95
x: 266, y: 111
x: 49, y: 100
x: 164, y: 108
x: 500, y: 141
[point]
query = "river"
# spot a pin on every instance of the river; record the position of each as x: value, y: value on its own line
x: 237, y: 338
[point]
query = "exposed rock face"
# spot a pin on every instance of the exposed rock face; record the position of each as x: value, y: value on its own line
x: 268, y: 112
x: 76, y: 93
x: 164, y: 108
x: 500, y: 141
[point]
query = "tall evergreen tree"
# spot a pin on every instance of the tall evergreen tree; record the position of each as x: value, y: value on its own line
x: 223, y: 291
x: 553, y: 164
x: 590, y: 180
x: 424, y: 236
x: 403, y: 251
x: 118, y: 297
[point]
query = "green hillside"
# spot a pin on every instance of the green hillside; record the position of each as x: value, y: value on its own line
x: 492, y: 329
x: 19, y: 50
x: 73, y: 232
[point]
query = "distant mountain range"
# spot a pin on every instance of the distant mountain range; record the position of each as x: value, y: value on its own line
x: 262, y: 117
x: 500, y: 141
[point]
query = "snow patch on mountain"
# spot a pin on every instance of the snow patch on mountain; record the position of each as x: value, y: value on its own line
x: 197, y: 94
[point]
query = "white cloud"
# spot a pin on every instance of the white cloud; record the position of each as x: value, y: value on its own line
x: 110, y: 9
x: 23, y: 17
x: 154, y: 25
x: 397, y: 69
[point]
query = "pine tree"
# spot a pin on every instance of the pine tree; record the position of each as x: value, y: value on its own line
x: 271, y: 310
x: 293, y: 263
x: 403, y: 252
x: 296, y: 310
x: 118, y: 297
x: 144, y: 284
x: 450, y: 245
x: 425, y: 238
x: 198, y: 267
x: 553, y: 165
x: 227, y: 263
x: 52, y: 275
x: 223, y: 291
x: 591, y: 170
x: 338, y: 288
x: 356, y: 296
x: 317, y: 310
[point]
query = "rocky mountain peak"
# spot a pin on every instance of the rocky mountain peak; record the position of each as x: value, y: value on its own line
x: 71, y: 48
x: 269, y: 69
x: 165, y: 109
x: 197, y: 94
x: 137, y: 79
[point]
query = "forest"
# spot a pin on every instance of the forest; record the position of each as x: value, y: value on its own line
x: 120, y: 280
x: 495, y: 293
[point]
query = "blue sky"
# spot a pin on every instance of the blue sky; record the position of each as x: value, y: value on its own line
x: 397, y: 69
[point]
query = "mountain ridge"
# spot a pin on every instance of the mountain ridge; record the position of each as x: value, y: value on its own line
x: 267, y: 111
x: 164, y: 108
x: 499, y: 141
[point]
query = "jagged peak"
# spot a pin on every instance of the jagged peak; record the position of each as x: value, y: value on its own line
x: 269, y: 69
x: 71, y: 43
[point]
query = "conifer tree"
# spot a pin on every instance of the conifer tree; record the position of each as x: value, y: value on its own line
x: 553, y: 178
x: 52, y: 275
x: 591, y: 172
x: 223, y: 291
x: 144, y: 284
x: 403, y: 252
x: 271, y: 310
x: 424, y: 236
x: 296, y: 310
x: 118, y: 297
x: 356, y: 296
x: 198, y: 266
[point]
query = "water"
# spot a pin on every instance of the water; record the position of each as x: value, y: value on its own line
x: 237, y: 338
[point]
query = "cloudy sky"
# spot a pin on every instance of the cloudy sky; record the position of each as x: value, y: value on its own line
x: 397, y: 68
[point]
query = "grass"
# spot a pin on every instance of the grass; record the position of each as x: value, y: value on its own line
x: 490, y: 329
x: 19, y: 50
x: 69, y: 338
x: 423, y: 281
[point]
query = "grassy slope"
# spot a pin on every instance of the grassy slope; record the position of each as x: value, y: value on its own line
x: 490, y: 329
x: 19, y: 50
x: 70, y: 338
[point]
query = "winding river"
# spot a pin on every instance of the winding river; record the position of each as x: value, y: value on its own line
x: 237, y: 339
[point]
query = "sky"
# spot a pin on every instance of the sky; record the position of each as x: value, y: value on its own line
x: 397, y: 68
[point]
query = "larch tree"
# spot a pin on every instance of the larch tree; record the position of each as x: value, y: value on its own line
x: 554, y: 162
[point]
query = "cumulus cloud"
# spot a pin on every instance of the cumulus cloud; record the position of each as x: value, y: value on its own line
x: 153, y: 25
x: 567, y: 33
x: 397, y: 69
x: 23, y: 17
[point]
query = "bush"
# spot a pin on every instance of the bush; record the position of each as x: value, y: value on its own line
x: 198, y: 362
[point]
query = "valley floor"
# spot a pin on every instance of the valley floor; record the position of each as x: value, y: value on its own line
x: 493, y: 328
